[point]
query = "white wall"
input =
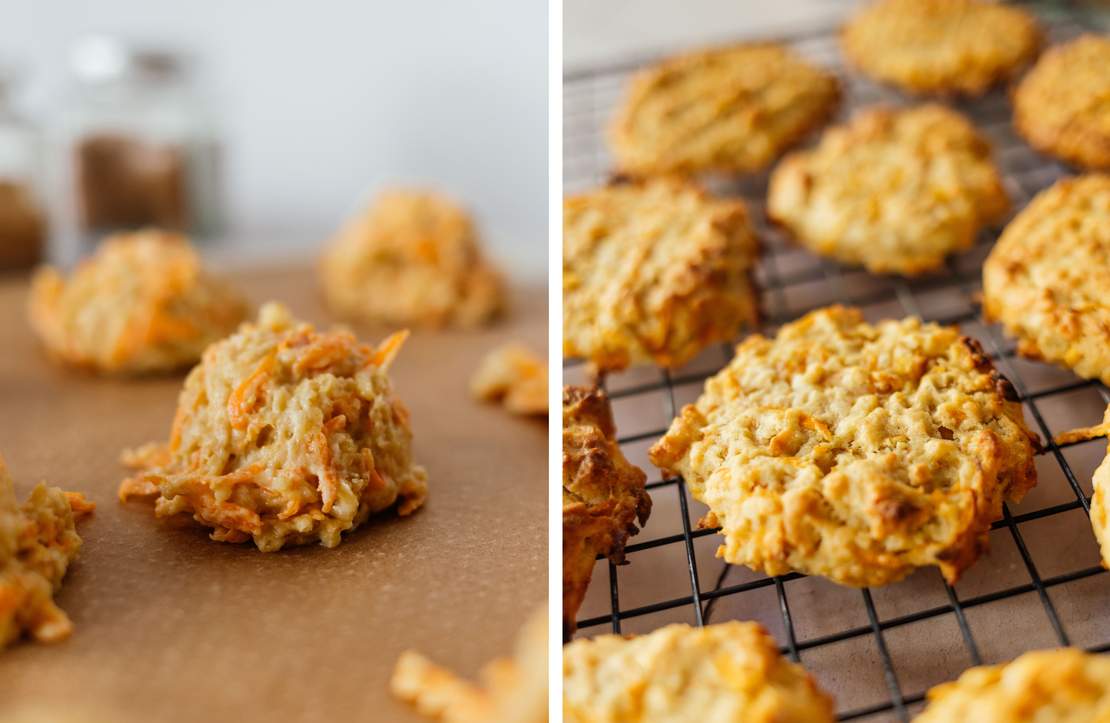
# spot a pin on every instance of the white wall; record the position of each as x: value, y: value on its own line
x: 323, y: 100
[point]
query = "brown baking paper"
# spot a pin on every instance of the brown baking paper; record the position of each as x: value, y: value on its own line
x: 170, y: 626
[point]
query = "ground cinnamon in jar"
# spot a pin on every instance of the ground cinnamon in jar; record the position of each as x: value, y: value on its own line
x: 22, y: 227
x: 125, y: 182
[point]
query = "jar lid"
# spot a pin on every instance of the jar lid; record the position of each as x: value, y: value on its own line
x: 104, y: 59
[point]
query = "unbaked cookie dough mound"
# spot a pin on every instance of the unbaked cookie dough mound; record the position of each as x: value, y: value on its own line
x: 512, y: 690
x: 1046, y: 279
x: 603, y: 493
x: 895, y: 191
x: 1047, y: 686
x: 653, y: 272
x: 733, y: 110
x: 941, y: 46
x: 854, y: 451
x: 412, y: 257
x: 716, y: 674
x: 1062, y: 106
x: 513, y: 375
x: 38, y: 540
x: 142, y: 304
x: 285, y: 435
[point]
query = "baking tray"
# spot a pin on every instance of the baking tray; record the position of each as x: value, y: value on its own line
x: 876, y: 650
x: 170, y: 626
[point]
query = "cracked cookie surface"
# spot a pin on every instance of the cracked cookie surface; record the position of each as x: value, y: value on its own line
x: 894, y: 191
x: 733, y: 109
x: 941, y: 46
x: 653, y: 272
x: 853, y: 451
x: 1049, y: 686
x: 1046, y: 278
x: 719, y: 674
x: 1062, y: 106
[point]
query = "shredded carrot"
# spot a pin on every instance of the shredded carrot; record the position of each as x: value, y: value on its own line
x: 328, y: 483
x: 80, y: 505
x: 243, y: 400
x: 388, y: 349
x: 140, y: 486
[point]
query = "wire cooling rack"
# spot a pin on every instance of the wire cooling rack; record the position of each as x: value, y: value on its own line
x: 877, y: 650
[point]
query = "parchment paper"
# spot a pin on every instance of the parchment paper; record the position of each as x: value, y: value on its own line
x: 171, y: 626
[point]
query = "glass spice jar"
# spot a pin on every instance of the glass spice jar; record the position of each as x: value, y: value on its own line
x: 22, y: 217
x: 141, y: 148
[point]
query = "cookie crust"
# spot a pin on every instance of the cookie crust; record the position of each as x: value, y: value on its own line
x: 653, y: 272
x: 953, y: 47
x: 852, y: 451
x: 603, y: 494
x: 720, y: 673
x: 142, y: 304
x: 412, y: 257
x: 1046, y: 278
x: 1062, y: 106
x: 733, y: 109
x: 1066, y: 684
x: 895, y: 191
x: 38, y: 541
x: 284, y: 435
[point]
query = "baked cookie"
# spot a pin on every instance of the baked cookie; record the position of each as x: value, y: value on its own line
x: 603, y: 494
x: 284, y: 435
x: 895, y: 191
x: 1100, y: 480
x: 513, y: 690
x: 653, y: 272
x: 514, y: 376
x: 852, y: 451
x: 412, y: 257
x: 141, y: 304
x: 1062, y: 106
x: 1049, y: 686
x: 38, y: 540
x: 941, y: 46
x: 720, y: 673
x: 733, y: 109
x: 1046, y: 278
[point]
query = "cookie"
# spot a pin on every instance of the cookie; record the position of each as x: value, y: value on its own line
x: 514, y: 376
x: 727, y: 672
x: 38, y: 540
x: 894, y: 191
x: 285, y: 435
x: 653, y: 272
x: 853, y: 451
x: 1061, y: 105
x: 941, y: 46
x: 733, y: 110
x: 1046, y: 278
x: 1066, y: 684
x: 603, y: 494
x: 412, y: 257
x: 1100, y: 480
x: 513, y: 690
x: 141, y: 304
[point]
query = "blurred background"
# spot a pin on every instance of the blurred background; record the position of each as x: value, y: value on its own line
x: 258, y: 127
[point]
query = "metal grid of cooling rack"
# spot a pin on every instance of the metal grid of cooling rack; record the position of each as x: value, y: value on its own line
x: 795, y: 282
